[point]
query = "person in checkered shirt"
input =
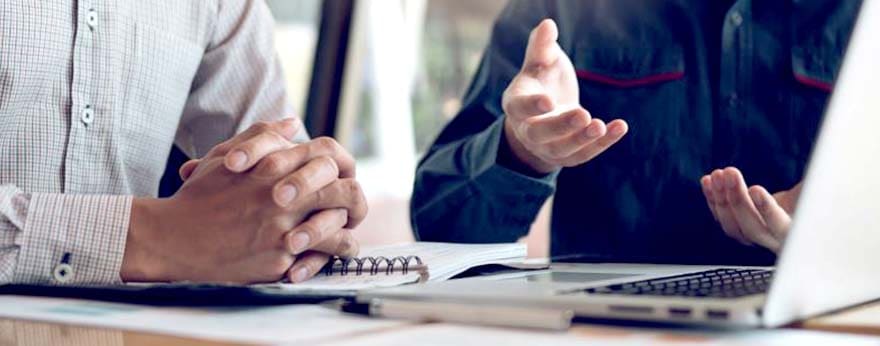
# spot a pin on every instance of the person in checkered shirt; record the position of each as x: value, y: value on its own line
x: 93, y: 94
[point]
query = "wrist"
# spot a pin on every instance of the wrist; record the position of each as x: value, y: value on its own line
x: 514, y: 155
x: 140, y: 262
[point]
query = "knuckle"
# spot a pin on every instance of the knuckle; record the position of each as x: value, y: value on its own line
x: 314, y: 229
x: 353, y: 188
x: 261, y: 126
x: 281, y: 263
x: 272, y: 165
x: 300, y: 183
x: 321, y: 197
x: 219, y: 149
x: 347, y: 246
x: 327, y: 164
x: 325, y: 144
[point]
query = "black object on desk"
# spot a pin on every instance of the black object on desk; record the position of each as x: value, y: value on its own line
x: 179, y: 294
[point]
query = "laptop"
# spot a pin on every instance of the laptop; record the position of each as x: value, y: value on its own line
x: 830, y: 260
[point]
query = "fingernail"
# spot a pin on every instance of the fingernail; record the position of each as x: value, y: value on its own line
x: 617, y: 130
x: 299, y: 242
x: 286, y: 194
x: 593, y: 131
x: 300, y: 275
x: 576, y: 121
x: 236, y: 159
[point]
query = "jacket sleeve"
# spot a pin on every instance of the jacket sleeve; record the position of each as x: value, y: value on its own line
x: 466, y: 187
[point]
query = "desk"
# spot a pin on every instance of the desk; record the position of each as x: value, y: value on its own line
x: 27, y: 333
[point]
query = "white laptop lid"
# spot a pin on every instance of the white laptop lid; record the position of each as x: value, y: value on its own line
x: 831, y: 258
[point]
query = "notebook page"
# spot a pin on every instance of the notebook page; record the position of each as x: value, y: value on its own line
x: 443, y: 260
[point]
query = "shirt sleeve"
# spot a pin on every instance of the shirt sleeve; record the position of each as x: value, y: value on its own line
x: 239, y: 81
x: 465, y: 190
x: 61, y: 239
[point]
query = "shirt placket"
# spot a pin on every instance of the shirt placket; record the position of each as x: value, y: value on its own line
x: 85, y: 115
x: 734, y: 80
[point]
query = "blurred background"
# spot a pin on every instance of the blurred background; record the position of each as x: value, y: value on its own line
x: 382, y: 77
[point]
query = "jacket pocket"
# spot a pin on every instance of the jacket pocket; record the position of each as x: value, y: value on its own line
x: 629, y: 67
x: 814, y: 68
x: 642, y: 83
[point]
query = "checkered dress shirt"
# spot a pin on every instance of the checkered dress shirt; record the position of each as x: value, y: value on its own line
x: 92, y: 96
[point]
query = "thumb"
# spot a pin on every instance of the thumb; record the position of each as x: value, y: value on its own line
x: 542, y: 49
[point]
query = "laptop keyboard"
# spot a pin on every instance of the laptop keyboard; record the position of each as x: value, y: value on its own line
x: 718, y: 283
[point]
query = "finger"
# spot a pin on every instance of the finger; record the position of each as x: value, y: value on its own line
x: 286, y: 128
x: 186, y: 170
x: 776, y: 218
x: 750, y: 221
x: 317, y: 229
x: 706, y: 185
x: 561, y: 149
x: 281, y: 163
x: 306, y: 266
x: 340, y: 243
x: 523, y: 106
x: 245, y: 154
x: 788, y: 199
x: 542, y: 50
x: 313, y: 176
x: 547, y: 128
x: 722, y: 208
x: 344, y: 194
x: 609, y: 135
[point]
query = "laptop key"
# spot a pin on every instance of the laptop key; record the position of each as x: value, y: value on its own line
x: 719, y: 283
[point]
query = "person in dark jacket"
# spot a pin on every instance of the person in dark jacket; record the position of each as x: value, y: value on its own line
x: 697, y: 96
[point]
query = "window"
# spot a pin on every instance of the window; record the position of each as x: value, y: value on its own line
x: 296, y: 32
x: 409, y: 64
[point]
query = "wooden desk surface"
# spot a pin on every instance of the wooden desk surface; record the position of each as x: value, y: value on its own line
x: 27, y: 333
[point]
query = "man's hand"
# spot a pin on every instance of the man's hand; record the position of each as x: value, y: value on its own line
x: 750, y: 215
x: 249, y: 220
x: 545, y: 126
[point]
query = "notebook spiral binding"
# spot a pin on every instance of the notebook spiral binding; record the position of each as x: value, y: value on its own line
x: 372, y: 265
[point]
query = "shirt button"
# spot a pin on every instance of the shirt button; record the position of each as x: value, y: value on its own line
x: 92, y: 19
x: 736, y: 18
x: 63, y: 273
x: 733, y: 99
x: 88, y: 115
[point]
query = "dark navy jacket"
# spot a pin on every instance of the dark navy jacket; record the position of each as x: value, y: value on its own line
x: 702, y: 84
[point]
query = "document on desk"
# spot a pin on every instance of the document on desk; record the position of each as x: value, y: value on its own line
x: 264, y: 325
x: 400, y: 264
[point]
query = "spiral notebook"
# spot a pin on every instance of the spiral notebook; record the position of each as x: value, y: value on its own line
x: 401, y: 264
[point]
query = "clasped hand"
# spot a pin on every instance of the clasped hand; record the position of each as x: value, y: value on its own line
x: 256, y: 208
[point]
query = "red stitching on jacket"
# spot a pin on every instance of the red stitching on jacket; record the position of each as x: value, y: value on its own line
x: 812, y: 82
x: 629, y: 83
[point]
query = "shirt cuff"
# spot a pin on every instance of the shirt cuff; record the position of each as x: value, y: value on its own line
x: 503, y: 183
x: 73, y: 239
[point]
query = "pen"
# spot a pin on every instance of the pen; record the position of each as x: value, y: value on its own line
x: 474, y: 314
